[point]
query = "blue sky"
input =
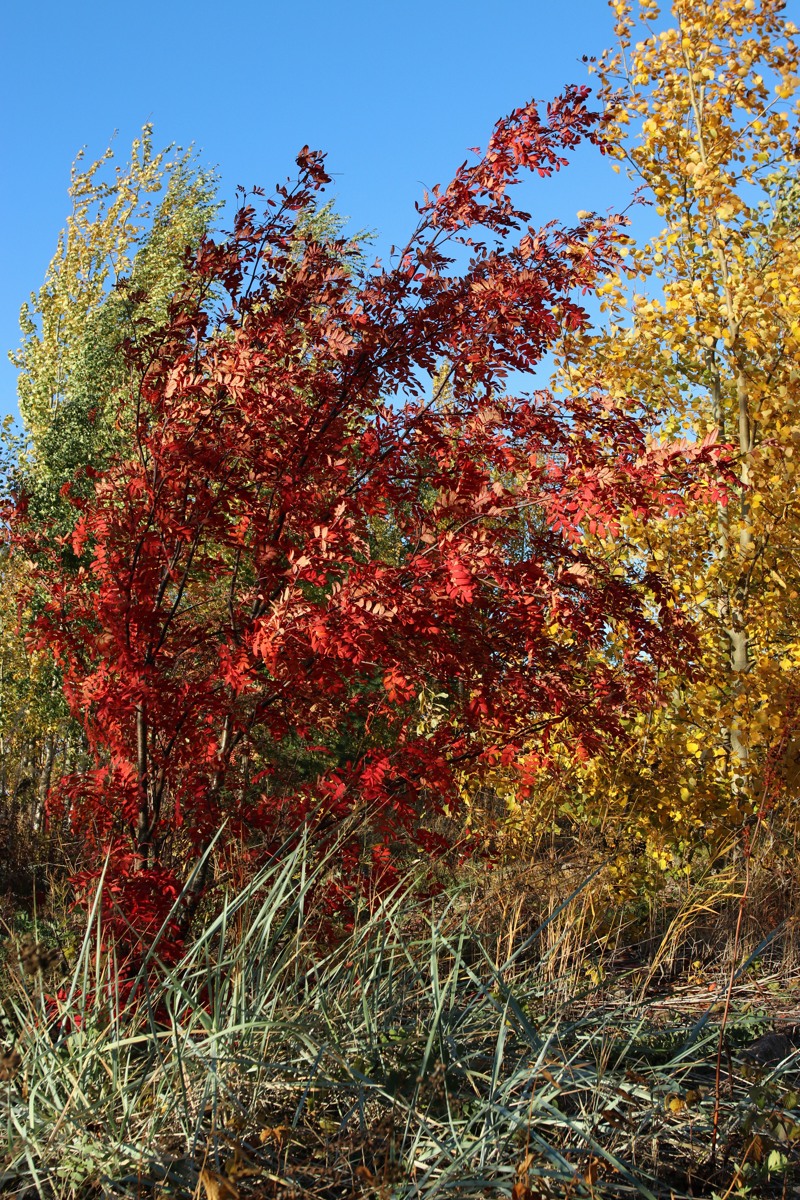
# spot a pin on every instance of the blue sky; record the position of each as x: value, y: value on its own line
x: 394, y: 93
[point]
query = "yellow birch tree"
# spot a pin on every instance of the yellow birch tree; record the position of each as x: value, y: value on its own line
x: 129, y: 230
x: 703, y: 329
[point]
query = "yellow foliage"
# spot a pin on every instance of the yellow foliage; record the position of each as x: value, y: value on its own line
x: 700, y: 330
x: 129, y: 228
x: 33, y: 721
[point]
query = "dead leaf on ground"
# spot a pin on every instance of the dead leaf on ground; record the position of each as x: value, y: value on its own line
x: 273, y: 1133
x: 217, y: 1187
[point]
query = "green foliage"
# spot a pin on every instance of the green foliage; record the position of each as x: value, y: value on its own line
x: 124, y: 246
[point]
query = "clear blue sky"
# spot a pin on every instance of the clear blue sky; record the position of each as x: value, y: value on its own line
x: 394, y: 93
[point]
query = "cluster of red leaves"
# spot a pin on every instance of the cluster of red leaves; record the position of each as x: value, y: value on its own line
x: 305, y: 542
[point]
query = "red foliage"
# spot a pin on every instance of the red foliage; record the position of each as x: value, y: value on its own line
x: 305, y: 541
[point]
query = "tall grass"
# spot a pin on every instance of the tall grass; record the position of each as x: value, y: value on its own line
x: 399, y: 1059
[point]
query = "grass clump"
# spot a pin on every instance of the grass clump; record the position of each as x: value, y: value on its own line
x: 405, y: 1059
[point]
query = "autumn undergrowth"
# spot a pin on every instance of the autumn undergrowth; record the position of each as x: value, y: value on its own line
x: 409, y: 1056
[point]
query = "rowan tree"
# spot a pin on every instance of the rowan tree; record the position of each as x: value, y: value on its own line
x: 318, y: 583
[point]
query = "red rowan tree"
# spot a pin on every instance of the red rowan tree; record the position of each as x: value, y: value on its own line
x: 317, y: 582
